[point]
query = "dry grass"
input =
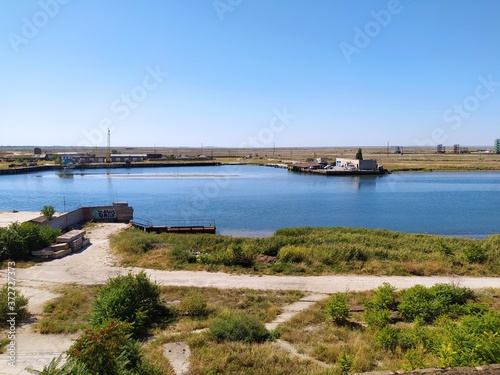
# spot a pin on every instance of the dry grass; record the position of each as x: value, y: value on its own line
x: 265, y: 305
x: 70, y: 312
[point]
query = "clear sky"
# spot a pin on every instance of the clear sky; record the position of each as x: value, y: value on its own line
x: 249, y: 72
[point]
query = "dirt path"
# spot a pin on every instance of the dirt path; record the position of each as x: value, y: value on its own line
x: 95, y: 265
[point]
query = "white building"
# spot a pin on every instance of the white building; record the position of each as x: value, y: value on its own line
x: 356, y: 164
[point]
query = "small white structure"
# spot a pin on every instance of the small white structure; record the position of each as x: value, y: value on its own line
x: 356, y: 164
x: 323, y: 161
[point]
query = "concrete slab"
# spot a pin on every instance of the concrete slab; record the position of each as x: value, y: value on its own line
x: 70, y: 236
x: 178, y: 354
x: 9, y: 217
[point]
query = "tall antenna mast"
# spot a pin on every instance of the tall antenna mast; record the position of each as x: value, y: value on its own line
x: 108, y: 149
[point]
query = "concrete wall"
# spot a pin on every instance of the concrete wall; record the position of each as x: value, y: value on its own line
x: 70, y: 219
x: 118, y: 212
x: 367, y: 165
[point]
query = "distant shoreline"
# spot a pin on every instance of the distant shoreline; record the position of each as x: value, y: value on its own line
x: 450, y: 167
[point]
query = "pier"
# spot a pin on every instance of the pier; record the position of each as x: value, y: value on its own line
x: 177, y: 226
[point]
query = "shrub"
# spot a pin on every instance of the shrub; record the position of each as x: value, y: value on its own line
x: 233, y: 255
x: 472, y: 341
x: 181, y: 255
x: 106, y: 350
x: 133, y: 299
x: 337, y: 308
x: 388, y: 338
x: 17, y: 241
x: 195, y: 305
x: 378, y: 312
x: 18, y: 307
x: 429, y: 303
x: 295, y: 254
x: 48, y: 211
x: 238, y: 326
x: 385, y: 297
x: 376, y: 317
x: 345, y: 362
x: 475, y: 254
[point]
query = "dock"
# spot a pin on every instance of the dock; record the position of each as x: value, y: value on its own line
x: 341, y: 167
x: 333, y: 172
x: 177, y: 226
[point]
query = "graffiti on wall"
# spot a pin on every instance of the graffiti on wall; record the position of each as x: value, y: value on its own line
x: 104, y: 214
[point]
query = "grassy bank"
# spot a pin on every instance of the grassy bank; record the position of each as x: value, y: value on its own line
x: 313, y: 251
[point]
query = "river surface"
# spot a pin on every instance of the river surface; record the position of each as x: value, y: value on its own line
x: 255, y: 200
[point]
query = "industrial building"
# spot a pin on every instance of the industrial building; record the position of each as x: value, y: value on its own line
x: 356, y: 164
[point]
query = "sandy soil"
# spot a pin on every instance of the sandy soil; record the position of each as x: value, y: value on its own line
x: 8, y: 217
x: 94, y: 265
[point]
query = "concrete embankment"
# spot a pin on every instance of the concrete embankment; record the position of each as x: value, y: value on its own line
x: 41, y: 168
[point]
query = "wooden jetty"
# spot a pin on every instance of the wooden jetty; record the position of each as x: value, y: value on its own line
x: 207, y: 226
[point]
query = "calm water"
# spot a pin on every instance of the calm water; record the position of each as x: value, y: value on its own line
x: 252, y: 200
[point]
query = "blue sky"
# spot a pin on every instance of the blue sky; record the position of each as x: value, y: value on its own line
x: 249, y: 72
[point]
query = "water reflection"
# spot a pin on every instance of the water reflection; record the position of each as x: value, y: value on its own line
x: 65, y: 174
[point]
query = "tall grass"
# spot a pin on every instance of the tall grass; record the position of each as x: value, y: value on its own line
x: 314, y: 251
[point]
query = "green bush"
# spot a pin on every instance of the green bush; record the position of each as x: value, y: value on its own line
x: 106, y: 350
x: 295, y: 254
x: 233, y: 255
x: 385, y: 298
x: 48, y: 211
x: 195, y: 305
x: 428, y: 304
x: 17, y: 241
x: 181, y: 255
x: 337, y: 308
x: 344, y: 365
x: 388, y: 338
x: 132, y: 299
x: 472, y: 341
x: 18, y: 305
x: 375, y: 317
x: 238, y: 326
x: 475, y: 254
x: 378, y: 310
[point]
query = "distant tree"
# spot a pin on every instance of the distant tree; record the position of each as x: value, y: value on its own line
x: 48, y: 211
x: 359, y: 154
x: 57, y: 159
